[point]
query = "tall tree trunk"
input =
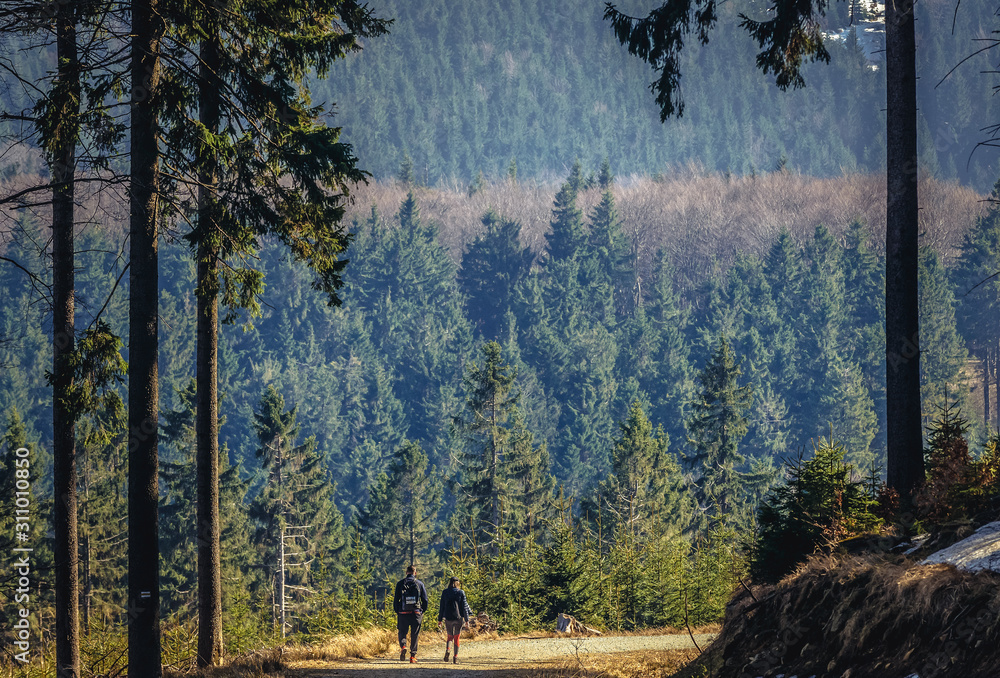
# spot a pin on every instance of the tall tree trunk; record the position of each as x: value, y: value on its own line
x: 994, y: 378
x: 987, y: 410
x: 207, y: 414
x: 66, y: 549
x: 904, y: 435
x: 144, y: 652
x: 281, y: 577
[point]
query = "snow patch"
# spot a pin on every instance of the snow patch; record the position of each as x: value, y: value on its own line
x: 980, y: 551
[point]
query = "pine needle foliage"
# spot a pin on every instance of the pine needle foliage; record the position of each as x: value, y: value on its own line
x: 822, y: 502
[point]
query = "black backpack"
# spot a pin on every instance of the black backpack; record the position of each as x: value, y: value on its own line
x: 453, y: 606
x: 409, y: 596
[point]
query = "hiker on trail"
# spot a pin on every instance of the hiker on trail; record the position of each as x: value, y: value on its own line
x: 454, y: 612
x: 409, y: 603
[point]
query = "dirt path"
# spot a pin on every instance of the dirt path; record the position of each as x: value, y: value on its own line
x: 497, y: 658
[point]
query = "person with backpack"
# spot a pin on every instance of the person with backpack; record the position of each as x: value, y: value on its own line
x: 409, y: 603
x: 454, y: 612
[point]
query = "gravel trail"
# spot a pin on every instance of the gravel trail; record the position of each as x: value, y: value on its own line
x: 497, y: 658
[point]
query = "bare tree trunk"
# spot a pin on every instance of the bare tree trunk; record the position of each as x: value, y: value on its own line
x: 994, y: 378
x: 280, y: 589
x: 281, y: 578
x: 904, y: 436
x: 63, y: 168
x: 207, y: 414
x: 144, y: 651
x: 987, y: 410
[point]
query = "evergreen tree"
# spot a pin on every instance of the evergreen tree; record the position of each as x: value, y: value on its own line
x: 820, y: 503
x: 103, y: 521
x: 645, y: 492
x: 492, y: 268
x: 568, y: 236
x: 400, y: 520
x: 404, y: 282
x: 529, y: 481
x: 179, y: 534
x: 23, y: 510
x: 498, y: 457
x: 977, y: 292
x: 294, y: 512
x: 785, y: 39
x: 289, y: 178
x: 668, y: 378
x: 716, y: 426
x: 942, y: 364
x: 865, y: 294
x: 610, y: 250
x: 605, y: 178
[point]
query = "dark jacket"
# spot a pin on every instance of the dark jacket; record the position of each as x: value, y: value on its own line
x: 397, y: 601
x: 454, y: 605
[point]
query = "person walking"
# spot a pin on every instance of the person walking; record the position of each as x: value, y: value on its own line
x: 409, y: 604
x: 454, y: 611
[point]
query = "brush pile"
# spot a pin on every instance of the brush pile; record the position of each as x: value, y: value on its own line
x: 567, y: 623
x: 482, y: 623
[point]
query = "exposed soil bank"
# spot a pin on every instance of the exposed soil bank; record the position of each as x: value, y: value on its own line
x: 863, y: 616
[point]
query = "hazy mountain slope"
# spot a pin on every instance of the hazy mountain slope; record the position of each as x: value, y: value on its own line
x: 466, y: 87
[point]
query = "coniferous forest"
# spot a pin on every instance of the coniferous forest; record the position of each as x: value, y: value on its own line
x: 337, y: 289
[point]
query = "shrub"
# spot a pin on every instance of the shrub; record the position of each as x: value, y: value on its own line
x: 820, y: 504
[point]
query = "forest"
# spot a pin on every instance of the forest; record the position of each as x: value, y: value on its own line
x: 297, y: 294
x: 458, y: 93
x: 598, y: 358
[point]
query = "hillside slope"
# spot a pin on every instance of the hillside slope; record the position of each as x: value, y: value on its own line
x: 862, y: 616
x: 466, y: 87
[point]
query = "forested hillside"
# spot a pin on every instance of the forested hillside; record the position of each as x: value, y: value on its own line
x: 296, y: 294
x: 469, y: 87
x: 615, y: 329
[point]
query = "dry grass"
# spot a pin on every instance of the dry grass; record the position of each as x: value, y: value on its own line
x: 276, y: 661
x: 258, y: 664
x: 359, y: 645
x: 648, y: 664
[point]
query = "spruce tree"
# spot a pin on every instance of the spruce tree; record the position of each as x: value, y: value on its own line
x: 568, y: 236
x: 491, y: 270
x: 294, y: 512
x: 103, y: 520
x: 669, y: 378
x: 865, y: 294
x: 644, y: 492
x: 942, y: 366
x: 289, y: 178
x: 977, y: 292
x: 611, y: 251
x: 23, y: 510
x: 529, y: 481
x: 404, y: 282
x: 497, y: 453
x: 716, y: 426
x: 790, y: 36
x: 400, y: 520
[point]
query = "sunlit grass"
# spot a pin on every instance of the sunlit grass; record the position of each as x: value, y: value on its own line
x: 645, y: 664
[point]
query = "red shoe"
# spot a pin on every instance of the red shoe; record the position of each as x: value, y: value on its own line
x: 402, y: 654
x: 413, y: 659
